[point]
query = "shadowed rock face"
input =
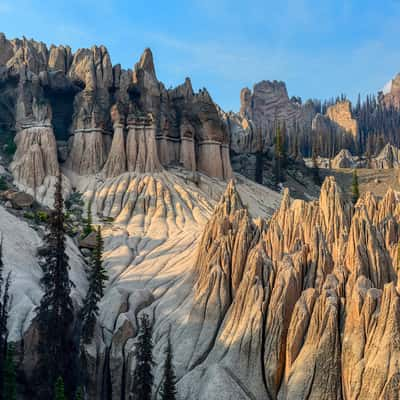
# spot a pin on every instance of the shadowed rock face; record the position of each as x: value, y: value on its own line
x: 254, y: 127
x: 70, y: 96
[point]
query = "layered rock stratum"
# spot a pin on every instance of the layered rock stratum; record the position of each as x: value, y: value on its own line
x: 114, y: 120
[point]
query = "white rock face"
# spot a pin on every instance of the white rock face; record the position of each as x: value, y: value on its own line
x: 304, y: 306
x: 36, y: 156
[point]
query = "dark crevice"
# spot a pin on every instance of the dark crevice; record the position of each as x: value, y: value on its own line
x: 62, y: 105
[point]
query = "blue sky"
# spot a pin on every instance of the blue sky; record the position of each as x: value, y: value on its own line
x: 319, y: 48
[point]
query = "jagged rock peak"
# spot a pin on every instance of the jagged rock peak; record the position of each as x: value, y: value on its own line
x: 230, y: 201
x: 146, y: 63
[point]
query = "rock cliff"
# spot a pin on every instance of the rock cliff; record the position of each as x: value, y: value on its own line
x: 340, y: 113
x: 113, y: 120
x: 391, y: 92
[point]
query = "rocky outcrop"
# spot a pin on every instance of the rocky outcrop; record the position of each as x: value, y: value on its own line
x: 267, y: 104
x: 389, y: 157
x: 391, y: 92
x: 343, y: 159
x: 70, y: 98
x: 340, y: 113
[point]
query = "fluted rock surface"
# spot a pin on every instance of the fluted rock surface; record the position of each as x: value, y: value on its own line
x: 343, y: 159
x: 389, y: 157
x: 340, y: 113
x: 253, y: 129
x: 304, y: 306
x: 73, y: 95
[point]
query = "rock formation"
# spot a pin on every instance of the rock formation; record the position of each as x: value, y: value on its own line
x: 391, y: 92
x: 261, y: 109
x: 389, y: 157
x: 292, y: 307
x: 343, y: 159
x: 259, y: 301
x: 52, y: 97
x: 341, y: 114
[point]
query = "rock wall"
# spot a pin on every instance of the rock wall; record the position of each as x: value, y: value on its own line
x: 72, y: 96
x: 391, y: 93
x: 340, y: 113
x: 260, y: 111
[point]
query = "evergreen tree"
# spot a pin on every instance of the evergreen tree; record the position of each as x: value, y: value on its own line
x: 97, y: 279
x: 168, y: 389
x: 355, y: 192
x: 259, y: 158
x: 4, y: 313
x: 283, y: 145
x: 59, y: 392
x: 79, y: 393
x: 278, y: 155
x: 315, y: 168
x: 89, y: 221
x: 55, y: 312
x: 4, y: 306
x: 9, y: 383
x: 143, y: 377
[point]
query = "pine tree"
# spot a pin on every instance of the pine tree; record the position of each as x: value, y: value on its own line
x: 10, y: 383
x: 259, y: 158
x: 168, y: 389
x: 278, y: 155
x: 355, y: 192
x: 315, y: 168
x: 143, y: 377
x: 55, y: 312
x: 4, y: 307
x: 59, y: 391
x: 4, y: 313
x: 97, y: 279
x: 79, y: 393
x: 89, y: 221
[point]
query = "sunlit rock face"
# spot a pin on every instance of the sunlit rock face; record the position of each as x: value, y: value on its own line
x: 70, y: 97
x: 292, y: 308
x: 340, y: 113
x: 391, y: 92
x: 300, y: 304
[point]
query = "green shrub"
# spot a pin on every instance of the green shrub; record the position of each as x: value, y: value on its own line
x: 29, y: 215
x: 3, y: 183
x: 10, y: 147
x: 42, y: 216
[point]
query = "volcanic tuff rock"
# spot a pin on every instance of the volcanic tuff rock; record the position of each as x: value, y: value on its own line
x: 389, y: 157
x: 267, y: 104
x: 343, y: 159
x: 293, y: 307
x: 301, y: 304
x: 391, y: 92
x: 50, y: 95
x: 341, y: 114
